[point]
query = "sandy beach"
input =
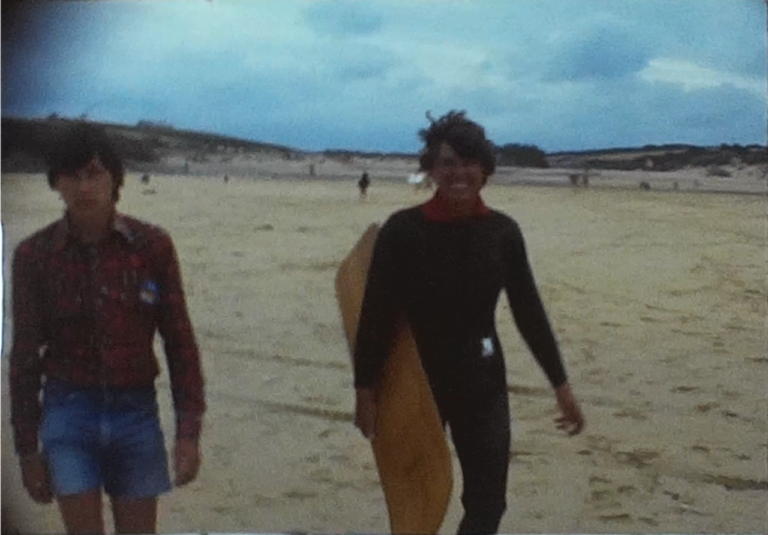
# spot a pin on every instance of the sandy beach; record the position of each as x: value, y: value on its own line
x: 658, y: 299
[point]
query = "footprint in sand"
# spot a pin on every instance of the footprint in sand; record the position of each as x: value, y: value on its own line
x: 600, y: 495
x: 706, y: 407
x: 606, y: 497
x: 689, y: 509
x: 684, y: 389
x: 631, y: 414
x: 639, y: 458
x: 222, y: 509
x: 736, y: 483
x: 616, y: 517
x: 626, y: 489
x: 321, y: 475
x: 299, y: 494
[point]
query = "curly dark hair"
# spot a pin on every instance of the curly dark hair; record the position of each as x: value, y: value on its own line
x: 76, y: 145
x: 465, y: 137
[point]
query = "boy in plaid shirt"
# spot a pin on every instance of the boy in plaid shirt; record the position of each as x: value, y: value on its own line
x: 89, y: 292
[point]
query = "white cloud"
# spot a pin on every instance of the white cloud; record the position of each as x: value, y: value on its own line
x: 691, y: 76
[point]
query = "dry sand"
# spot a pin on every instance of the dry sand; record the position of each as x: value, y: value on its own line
x: 658, y: 300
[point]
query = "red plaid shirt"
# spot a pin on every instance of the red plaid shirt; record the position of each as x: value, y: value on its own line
x: 87, y: 314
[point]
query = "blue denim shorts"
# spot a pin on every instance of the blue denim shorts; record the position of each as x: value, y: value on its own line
x: 106, y: 438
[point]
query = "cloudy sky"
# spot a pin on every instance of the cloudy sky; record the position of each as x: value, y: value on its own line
x: 360, y: 74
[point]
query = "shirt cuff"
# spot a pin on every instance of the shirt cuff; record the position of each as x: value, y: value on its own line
x: 26, y: 441
x: 189, y: 425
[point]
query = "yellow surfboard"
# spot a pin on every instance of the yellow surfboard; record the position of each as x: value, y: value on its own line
x: 410, y: 447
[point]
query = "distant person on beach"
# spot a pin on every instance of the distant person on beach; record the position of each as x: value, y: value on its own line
x: 89, y: 292
x: 363, y: 184
x: 442, y: 265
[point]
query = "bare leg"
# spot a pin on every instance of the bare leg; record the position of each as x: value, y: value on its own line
x: 82, y: 512
x: 135, y: 516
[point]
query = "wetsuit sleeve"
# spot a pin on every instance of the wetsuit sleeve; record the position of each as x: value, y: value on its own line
x: 379, y: 311
x: 528, y: 310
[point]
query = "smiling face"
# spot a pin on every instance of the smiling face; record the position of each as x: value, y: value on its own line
x: 458, y: 180
x: 87, y: 192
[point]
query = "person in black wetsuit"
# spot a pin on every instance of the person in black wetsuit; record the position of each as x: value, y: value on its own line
x: 442, y: 266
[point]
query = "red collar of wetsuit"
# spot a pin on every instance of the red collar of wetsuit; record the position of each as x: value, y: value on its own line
x: 436, y: 209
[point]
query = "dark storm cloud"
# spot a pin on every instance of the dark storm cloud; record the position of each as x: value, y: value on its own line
x: 353, y: 64
x: 361, y: 74
x: 342, y: 18
x: 603, y: 52
x: 625, y: 113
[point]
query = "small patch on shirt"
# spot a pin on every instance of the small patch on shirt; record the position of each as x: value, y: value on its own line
x: 148, y: 294
x: 486, y: 347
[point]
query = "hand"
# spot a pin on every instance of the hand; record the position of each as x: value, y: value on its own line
x: 34, y: 473
x: 571, y: 420
x: 365, y: 412
x: 187, y: 460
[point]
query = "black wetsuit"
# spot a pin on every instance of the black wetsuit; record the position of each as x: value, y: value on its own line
x: 445, y: 277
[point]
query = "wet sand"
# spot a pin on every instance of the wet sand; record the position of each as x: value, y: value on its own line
x: 658, y: 299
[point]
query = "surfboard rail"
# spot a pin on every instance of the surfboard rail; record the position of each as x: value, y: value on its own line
x: 410, y: 448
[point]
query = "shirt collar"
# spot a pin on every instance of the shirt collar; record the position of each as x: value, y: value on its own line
x: 437, y: 209
x: 62, y: 232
